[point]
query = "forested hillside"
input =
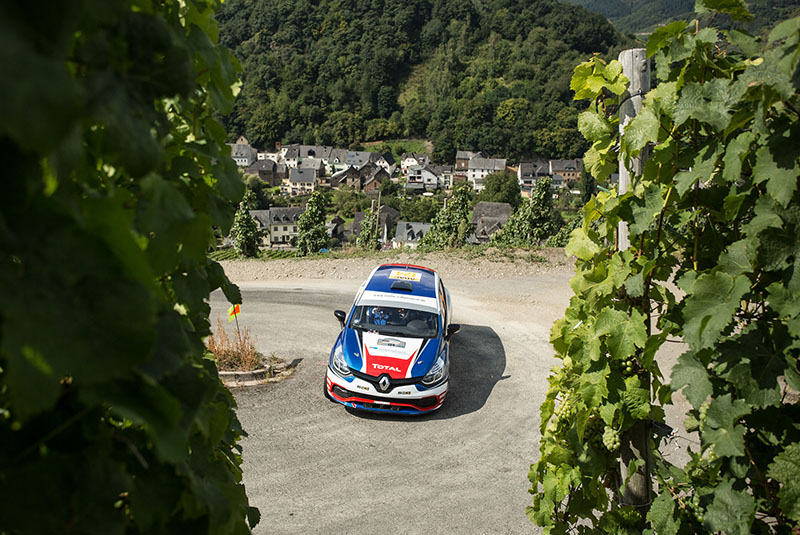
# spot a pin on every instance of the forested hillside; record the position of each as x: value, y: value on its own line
x: 491, y: 75
x: 643, y: 15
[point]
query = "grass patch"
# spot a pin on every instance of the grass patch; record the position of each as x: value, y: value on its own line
x: 236, y: 352
x: 534, y: 258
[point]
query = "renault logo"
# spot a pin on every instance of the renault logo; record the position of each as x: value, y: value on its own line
x: 383, y: 383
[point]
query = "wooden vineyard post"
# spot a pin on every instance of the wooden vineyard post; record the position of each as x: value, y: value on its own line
x: 634, y: 443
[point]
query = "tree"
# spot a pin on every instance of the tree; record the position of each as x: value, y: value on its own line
x: 715, y: 212
x: 368, y: 237
x: 311, y: 232
x: 533, y: 222
x: 112, y: 416
x: 451, y: 226
x: 245, y: 233
x: 502, y: 186
x: 419, y: 209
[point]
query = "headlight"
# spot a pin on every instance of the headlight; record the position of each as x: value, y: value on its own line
x: 339, y: 363
x: 437, y: 372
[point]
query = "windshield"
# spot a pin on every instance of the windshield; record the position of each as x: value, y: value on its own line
x: 396, y: 321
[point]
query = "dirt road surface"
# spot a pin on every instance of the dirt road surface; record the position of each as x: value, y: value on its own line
x: 312, y: 466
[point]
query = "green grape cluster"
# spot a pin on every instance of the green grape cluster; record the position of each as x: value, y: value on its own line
x: 703, y: 413
x: 594, y: 431
x: 627, y: 366
x: 566, y: 409
x: 697, y: 509
x: 611, y: 439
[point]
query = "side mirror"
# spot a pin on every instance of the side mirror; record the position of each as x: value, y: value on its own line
x: 340, y: 315
x: 452, y: 329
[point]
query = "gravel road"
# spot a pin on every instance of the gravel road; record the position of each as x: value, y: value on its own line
x: 312, y: 466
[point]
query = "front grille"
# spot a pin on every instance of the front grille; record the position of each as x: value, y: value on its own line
x: 423, y: 403
x: 392, y: 382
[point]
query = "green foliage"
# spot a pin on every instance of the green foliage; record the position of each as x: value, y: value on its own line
x: 311, y: 233
x: 491, y: 76
x: 112, y: 416
x: 533, y: 222
x: 561, y: 238
x: 368, y: 237
x: 648, y: 15
x: 245, y: 233
x: 501, y: 187
x: 451, y: 226
x: 715, y: 210
x: 420, y: 209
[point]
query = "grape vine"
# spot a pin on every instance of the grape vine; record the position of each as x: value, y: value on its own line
x: 112, y: 416
x: 714, y: 262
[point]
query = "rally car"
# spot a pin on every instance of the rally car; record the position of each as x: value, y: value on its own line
x: 392, y: 354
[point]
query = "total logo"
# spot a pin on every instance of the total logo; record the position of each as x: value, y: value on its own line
x: 384, y: 367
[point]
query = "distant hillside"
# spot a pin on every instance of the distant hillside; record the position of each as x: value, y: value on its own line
x: 485, y: 74
x: 630, y: 16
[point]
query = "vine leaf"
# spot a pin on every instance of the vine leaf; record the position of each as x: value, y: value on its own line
x: 593, y: 126
x: 594, y: 388
x: 721, y: 431
x: 662, y: 515
x: 640, y: 131
x: 781, y: 180
x: 710, y: 306
x: 691, y: 373
x: 786, y: 470
x: 663, y: 36
x: 740, y: 257
x: 737, y: 151
x: 737, y: 9
x: 731, y: 511
x: 750, y: 363
x: 702, y: 168
x: 625, y: 332
x: 709, y: 103
x: 582, y: 245
x: 636, y: 399
x: 644, y: 213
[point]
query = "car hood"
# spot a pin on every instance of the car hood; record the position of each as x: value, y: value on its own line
x: 401, y: 357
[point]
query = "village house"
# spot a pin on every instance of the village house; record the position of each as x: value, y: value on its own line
x: 488, y: 218
x: 348, y: 176
x: 372, y: 176
x: 242, y: 153
x: 275, y: 156
x: 336, y: 228
x: 315, y: 164
x: 386, y: 161
x: 462, y: 163
x: 478, y: 168
x: 290, y: 153
x: 408, y: 234
x: 422, y: 178
x: 569, y: 169
x: 268, y: 172
x: 337, y: 161
x: 445, y: 174
x: 300, y: 182
x: 261, y: 217
x: 412, y: 159
x: 283, y: 223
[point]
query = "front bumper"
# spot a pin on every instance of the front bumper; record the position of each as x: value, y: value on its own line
x: 360, y: 394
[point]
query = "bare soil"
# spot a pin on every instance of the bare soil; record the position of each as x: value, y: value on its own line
x: 484, y: 264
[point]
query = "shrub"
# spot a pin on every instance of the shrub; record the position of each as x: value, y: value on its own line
x: 234, y: 353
